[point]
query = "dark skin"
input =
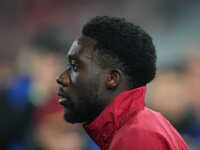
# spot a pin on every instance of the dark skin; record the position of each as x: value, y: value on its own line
x: 85, y: 87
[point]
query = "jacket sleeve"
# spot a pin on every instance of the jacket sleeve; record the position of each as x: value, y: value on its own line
x: 140, y: 140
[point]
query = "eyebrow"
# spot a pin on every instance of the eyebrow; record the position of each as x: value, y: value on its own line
x: 73, y: 57
x: 70, y: 57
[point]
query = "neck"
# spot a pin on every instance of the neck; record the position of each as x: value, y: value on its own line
x: 115, y: 92
x: 123, y: 107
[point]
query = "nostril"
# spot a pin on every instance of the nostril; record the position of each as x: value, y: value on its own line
x: 63, y: 79
x: 58, y: 80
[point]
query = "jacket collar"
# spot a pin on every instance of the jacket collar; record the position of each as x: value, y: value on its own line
x: 115, y: 115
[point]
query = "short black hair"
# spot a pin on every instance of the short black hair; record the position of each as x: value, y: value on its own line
x: 130, y: 46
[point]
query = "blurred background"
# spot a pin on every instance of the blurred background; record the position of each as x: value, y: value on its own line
x: 34, y: 36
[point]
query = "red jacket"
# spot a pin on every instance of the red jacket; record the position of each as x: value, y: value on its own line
x: 127, y: 124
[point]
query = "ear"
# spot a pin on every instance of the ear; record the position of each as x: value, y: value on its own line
x: 113, y: 78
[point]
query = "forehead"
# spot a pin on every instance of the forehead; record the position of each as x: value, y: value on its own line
x: 74, y: 49
x: 81, y: 47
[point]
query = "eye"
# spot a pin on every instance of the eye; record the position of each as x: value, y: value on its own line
x: 74, y: 65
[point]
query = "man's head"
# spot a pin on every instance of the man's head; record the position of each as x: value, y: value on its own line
x: 111, y: 56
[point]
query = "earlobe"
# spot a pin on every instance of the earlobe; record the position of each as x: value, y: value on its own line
x: 113, y: 78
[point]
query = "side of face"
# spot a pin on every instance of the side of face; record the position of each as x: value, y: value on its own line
x: 86, y: 88
x: 80, y: 84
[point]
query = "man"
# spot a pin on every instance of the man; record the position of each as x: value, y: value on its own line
x: 104, y: 86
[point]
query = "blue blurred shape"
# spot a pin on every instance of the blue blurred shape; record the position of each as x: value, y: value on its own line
x: 18, y: 92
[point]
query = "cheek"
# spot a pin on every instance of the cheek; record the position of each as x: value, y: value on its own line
x: 79, y: 84
x: 83, y: 84
x: 74, y: 77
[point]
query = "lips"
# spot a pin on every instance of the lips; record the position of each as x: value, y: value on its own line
x: 64, y: 100
x: 60, y: 92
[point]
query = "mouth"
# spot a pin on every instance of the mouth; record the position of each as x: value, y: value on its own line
x: 64, y: 100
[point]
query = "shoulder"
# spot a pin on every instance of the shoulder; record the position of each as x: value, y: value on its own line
x: 148, y: 130
x: 142, y: 131
x: 139, y: 138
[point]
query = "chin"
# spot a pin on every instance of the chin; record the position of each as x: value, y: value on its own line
x: 71, y: 117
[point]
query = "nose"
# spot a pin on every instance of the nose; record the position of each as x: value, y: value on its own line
x: 63, y: 79
x: 58, y: 80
